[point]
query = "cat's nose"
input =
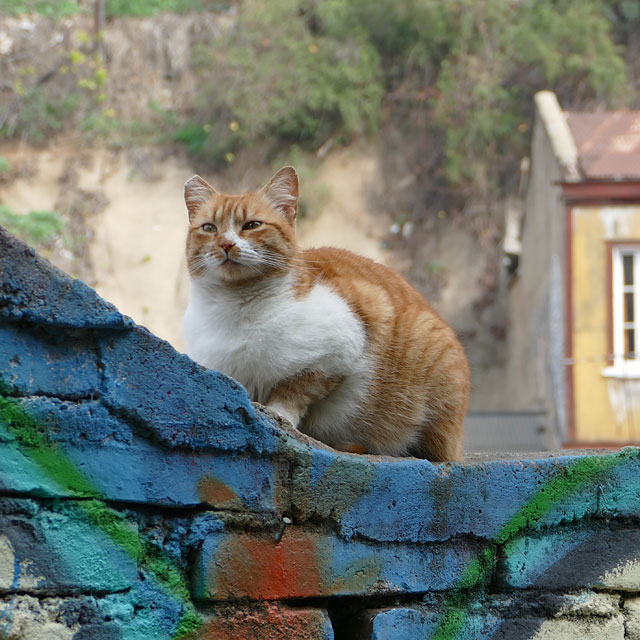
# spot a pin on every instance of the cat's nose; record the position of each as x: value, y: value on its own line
x: 227, y: 244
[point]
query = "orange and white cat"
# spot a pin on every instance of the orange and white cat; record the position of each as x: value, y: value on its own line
x: 340, y: 346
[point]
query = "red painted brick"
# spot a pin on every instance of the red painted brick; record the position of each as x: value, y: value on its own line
x: 267, y: 621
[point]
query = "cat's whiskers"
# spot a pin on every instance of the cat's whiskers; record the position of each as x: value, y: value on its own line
x: 199, y: 262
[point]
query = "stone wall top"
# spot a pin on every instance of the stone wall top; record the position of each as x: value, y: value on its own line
x: 103, y: 418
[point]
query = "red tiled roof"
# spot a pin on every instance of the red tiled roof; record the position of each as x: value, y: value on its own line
x: 608, y: 144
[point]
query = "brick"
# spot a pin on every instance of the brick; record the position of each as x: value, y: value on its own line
x: 625, y: 576
x: 405, y: 623
x: 176, y: 401
x: 270, y: 620
x: 408, y: 500
x: 117, y: 464
x: 27, y: 618
x: 305, y: 564
x: 632, y: 618
x: 18, y: 473
x: 571, y: 558
x: 33, y: 290
x: 125, y: 616
x: 584, y: 604
x: 496, y: 619
x: 574, y: 629
x: 41, y: 362
x: 62, y: 552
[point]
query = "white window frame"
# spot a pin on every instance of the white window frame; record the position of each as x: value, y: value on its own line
x: 624, y: 367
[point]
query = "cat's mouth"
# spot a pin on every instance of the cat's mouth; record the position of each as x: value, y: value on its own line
x: 229, y: 261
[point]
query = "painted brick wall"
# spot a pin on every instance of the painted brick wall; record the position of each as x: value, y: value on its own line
x: 143, y: 497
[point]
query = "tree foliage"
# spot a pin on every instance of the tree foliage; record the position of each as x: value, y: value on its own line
x: 304, y: 70
x: 456, y: 78
x: 474, y: 65
x: 273, y: 76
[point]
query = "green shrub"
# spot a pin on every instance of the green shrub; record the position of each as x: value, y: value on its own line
x: 36, y: 227
x: 457, y: 78
x: 51, y: 8
x: 500, y: 58
x: 273, y: 78
x: 62, y: 8
x: 76, y: 96
x: 149, y: 7
x: 37, y: 117
x: 474, y: 66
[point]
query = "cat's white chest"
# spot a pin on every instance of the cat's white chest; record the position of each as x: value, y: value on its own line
x: 262, y: 339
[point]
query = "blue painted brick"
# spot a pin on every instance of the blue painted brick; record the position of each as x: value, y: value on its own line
x: 415, y: 501
x: 41, y: 362
x: 61, y: 552
x: 569, y: 558
x: 120, y: 464
x: 33, y: 290
x: 179, y: 402
x: 405, y: 623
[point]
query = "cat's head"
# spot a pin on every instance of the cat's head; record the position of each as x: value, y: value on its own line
x: 237, y: 239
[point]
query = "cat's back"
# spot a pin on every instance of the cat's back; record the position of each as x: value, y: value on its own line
x: 379, y: 295
x: 420, y: 372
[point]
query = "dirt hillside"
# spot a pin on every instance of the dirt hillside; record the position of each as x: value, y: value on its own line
x: 123, y: 209
x: 135, y: 234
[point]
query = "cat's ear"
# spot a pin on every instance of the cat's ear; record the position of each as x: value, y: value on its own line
x: 197, y: 192
x: 282, y: 192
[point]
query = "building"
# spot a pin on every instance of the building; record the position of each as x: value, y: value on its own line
x: 574, y: 300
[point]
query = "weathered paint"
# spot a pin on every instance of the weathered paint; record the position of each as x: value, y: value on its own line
x: 138, y: 485
x: 86, y: 548
x: 606, y: 409
x: 597, y: 557
x: 118, y: 463
x: 408, y: 624
x: 415, y: 501
x: 251, y: 622
x: 34, y: 291
x: 305, y: 564
x: 536, y: 616
x: 80, y: 549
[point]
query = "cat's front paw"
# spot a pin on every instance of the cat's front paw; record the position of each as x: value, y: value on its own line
x: 279, y: 417
x: 285, y: 413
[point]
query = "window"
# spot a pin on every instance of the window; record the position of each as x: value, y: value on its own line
x: 625, y: 271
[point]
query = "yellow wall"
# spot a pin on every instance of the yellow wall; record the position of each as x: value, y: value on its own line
x: 606, y: 409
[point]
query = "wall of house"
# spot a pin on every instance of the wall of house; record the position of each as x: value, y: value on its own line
x: 535, y: 369
x: 606, y: 408
x: 142, y: 496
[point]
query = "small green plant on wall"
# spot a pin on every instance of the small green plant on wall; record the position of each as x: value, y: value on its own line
x: 35, y: 227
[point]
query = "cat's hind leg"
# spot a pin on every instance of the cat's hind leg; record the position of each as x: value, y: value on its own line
x: 350, y: 447
x: 441, y: 441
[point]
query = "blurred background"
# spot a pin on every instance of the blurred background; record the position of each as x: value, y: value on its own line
x: 407, y: 120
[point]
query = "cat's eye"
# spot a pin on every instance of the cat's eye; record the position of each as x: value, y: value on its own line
x: 208, y: 227
x: 252, y: 224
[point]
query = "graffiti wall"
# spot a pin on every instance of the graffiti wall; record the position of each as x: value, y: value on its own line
x: 143, y: 497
